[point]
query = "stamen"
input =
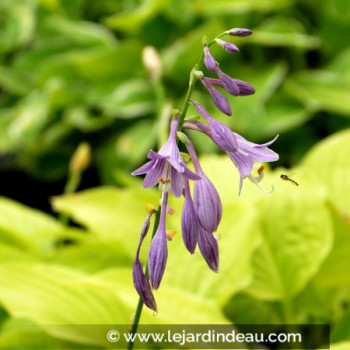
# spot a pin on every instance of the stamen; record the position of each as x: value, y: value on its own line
x: 165, y: 179
x: 256, y: 179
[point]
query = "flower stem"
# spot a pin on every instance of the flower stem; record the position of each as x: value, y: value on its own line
x: 160, y: 97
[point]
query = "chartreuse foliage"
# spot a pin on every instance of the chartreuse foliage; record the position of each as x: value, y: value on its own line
x: 285, y: 254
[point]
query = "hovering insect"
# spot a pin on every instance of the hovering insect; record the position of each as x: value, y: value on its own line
x: 163, y: 181
x: 286, y: 178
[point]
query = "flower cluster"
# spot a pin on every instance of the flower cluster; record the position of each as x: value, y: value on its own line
x: 202, y: 211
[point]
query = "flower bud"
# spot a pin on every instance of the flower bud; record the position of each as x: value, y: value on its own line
x: 81, y: 158
x: 227, y: 46
x: 151, y: 61
x: 239, y: 32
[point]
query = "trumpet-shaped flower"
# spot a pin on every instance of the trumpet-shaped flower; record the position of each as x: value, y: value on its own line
x: 189, y: 221
x: 206, y: 199
x: 166, y: 167
x: 246, y: 154
x: 158, y: 253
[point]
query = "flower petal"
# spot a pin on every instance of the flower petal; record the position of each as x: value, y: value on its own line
x: 219, y: 99
x: 189, y: 222
x: 154, y: 174
x: 209, y: 248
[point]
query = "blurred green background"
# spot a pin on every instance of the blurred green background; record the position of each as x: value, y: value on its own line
x: 71, y: 72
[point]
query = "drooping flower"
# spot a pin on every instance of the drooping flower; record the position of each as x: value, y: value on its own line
x: 219, y: 99
x: 158, y: 253
x: 208, y: 246
x: 206, y: 199
x: 245, y: 88
x: 189, y: 221
x: 166, y: 167
x: 140, y: 280
x: 220, y: 132
x: 246, y: 154
x: 228, y: 83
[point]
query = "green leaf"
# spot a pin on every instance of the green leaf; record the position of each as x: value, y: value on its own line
x: 341, y: 346
x: 330, y: 162
x: 133, y: 98
x: 48, y: 294
x: 238, y: 238
x: 35, y: 231
x: 175, y: 305
x: 296, y: 237
x: 282, y: 31
x: 81, y: 32
x: 114, y: 214
x: 334, y: 271
x: 321, y: 90
x: 207, y: 7
x: 132, y: 21
x: 341, y: 331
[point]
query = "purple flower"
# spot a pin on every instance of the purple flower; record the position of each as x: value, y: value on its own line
x: 206, y: 199
x: 227, y: 46
x: 239, y: 32
x: 209, y: 60
x: 158, y: 252
x: 166, y: 167
x: 141, y: 282
x: 189, y: 221
x: 245, y: 88
x: 227, y: 82
x: 246, y: 154
x: 209, y: 248
x: 219, y: 99
x: 221, y: 133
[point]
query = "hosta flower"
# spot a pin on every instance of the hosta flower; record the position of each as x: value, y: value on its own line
x: 246, y: 154
x: 158, y: 253
x: 166, y: 167
x: 189, y: 221
x: 141, y: 282
x: 208, y: 247
x: 220, y: 132
x: 206, y: 199
x: 219, y: 99
x: 245, y: 88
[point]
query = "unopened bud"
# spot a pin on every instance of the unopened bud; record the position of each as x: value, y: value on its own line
x: 239, y: 32
x: 81, y: 158
x: 151, y: 61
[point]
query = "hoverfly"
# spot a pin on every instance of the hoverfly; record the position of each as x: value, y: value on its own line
x: 286, y: 178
